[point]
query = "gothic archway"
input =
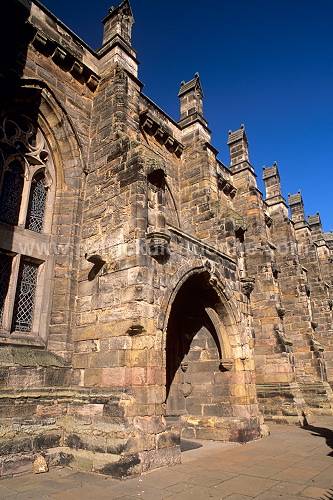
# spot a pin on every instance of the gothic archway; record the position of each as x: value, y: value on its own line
x: 197, y: 359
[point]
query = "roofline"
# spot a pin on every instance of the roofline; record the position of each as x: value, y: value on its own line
x: 64, y: 26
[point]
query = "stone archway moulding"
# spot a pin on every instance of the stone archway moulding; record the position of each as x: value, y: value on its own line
x: 222, y: 288
x: 57, y: 128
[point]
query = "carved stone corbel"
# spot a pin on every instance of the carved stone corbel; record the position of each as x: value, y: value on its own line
x: 158, y: 243
x: 281, y: 312
x: 179, y: 149
x: 40, y: 38
x: 77, y: 68
x: 148, y: 124
x: 92, y: 82
x: 285, y: 340
x: 59, y: 54
x: 160, y: 134
x: 247, y: 285
x: 221, y: 181
x: 317, y: 347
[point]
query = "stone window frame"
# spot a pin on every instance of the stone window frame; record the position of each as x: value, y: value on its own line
x: 25, y: 244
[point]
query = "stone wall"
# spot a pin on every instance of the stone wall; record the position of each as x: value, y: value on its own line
x: 172, y: 288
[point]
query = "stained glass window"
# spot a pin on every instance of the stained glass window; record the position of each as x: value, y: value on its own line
x: 25, y: 295
x: 11, y: 193
x: 5, y: 269
x: 37, y: 200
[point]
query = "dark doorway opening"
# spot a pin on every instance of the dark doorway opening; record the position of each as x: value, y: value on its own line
x: 194, y: 374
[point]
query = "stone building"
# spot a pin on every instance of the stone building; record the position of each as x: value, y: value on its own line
x: 147, y: 289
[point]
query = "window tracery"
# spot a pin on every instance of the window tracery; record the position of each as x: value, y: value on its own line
x: 37, y: 201
x: 26, y: 177
x: 11, y: 193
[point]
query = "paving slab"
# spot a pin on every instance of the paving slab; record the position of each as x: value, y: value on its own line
x: 241, y: 484
x: 314, y: 492
x: 86, y: 492
x: 291, y: 489
x: 6, y: 492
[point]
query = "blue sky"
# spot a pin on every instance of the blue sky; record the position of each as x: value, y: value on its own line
x: 267, y: 64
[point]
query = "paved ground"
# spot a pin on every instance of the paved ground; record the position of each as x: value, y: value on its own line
x: 291, y: 463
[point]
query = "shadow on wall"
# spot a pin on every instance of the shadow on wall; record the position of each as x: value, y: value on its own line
x: 15, y: 36
x: 322, y: 432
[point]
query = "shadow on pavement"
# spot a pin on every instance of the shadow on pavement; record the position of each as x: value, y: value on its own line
x: 322, y: 432
x: 188, y: 445
x: 328, y: 495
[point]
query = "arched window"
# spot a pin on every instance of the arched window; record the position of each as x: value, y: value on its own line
x: 37, y: 201
x: 25, y: 205
x: 11, y: 193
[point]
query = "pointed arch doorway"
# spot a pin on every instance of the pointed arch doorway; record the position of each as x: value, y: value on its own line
x: 200, y: 369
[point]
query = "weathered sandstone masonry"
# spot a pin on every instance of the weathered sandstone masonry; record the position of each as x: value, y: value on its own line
x: 148, y: 291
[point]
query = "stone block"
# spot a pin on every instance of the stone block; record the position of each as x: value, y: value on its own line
x: 81, y: 360
x: 212, y: 433
x: 149, y: 425
x: 168, y: 439
x: 107, y: 359
x: 136, y: 376
x: 25, y: 377
x: 18, y: 464
x: 148, y: 395
x: 57, y: 377
x: 124, y: 342
x: 118, y: 467
x: 86, y: 409
x: 159, y: 458
x: 155, y: 375
x: 46, y: 440
x: 82, y: 460
x: 136, y: 358
x: 141, y: 443
x: 16, y: 445
x: 116, y: 377
x: 95, y: 377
